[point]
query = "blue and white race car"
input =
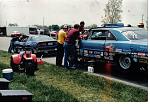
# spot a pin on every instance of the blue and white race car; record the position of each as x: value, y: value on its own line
x: 126, y: 46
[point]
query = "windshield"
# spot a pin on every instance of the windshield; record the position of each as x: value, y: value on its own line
x: 136, y: 34
x: 41, y: 38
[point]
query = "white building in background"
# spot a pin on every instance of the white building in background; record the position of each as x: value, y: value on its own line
x: 6, y: 31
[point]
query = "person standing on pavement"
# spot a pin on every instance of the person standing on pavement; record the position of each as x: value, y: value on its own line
x: 62, y: 34
x: 70, y: 58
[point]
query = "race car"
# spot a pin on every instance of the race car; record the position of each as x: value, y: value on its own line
x: 125, y: 46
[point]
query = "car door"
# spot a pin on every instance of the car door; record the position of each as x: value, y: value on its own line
x: 109, y: 45
x: 94, y: 45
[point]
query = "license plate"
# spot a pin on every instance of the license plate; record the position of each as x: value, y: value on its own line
x: 43, y: 44
x: 50, y: 43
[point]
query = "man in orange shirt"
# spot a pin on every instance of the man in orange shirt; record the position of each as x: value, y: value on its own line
x: 62, y: 34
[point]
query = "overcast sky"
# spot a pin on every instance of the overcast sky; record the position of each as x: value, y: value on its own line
x: 30, y: 12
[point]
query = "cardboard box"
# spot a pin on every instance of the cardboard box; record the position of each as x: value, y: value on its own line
x: 4, y: 84
x: 15, y: 96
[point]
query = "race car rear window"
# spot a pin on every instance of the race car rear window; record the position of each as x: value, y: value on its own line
x: 136, y: 34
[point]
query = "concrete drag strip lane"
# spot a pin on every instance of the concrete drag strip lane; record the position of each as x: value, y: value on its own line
x: 119, y: 80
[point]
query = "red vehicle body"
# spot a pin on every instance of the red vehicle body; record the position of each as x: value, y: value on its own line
x: 85, y: 34
x: 25, y: 61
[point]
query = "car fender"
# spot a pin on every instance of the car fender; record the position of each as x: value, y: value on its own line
x: 16, y: 58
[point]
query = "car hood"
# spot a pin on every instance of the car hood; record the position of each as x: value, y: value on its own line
x: 45, y: 41
x: 19, y: 43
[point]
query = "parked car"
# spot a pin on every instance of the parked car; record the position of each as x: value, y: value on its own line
x: 53, y: 34
x: 37, y: 44
x: 125, y: 46
x: 15, y: 33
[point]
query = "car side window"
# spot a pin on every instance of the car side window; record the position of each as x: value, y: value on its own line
x: 102, y: 35
x: 109, y: 35
x: 96, y: 35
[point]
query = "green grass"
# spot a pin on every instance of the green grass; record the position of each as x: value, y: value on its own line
x: 52, y: 83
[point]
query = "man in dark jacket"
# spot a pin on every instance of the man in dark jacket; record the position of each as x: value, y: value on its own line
x: 70, y: 48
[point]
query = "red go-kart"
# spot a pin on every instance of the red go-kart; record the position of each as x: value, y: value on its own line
x: 26, y: 62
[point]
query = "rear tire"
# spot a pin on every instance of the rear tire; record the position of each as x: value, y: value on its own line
x: 29, y: 67
x: 125, y: 63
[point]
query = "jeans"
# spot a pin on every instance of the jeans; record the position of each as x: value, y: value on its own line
x: 70, y: 57
x: 60, y: 54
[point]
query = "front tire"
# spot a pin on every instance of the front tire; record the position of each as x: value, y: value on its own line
x: 125, y: 62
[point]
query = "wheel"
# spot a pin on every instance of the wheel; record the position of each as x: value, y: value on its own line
x: 14, y: 67
x: 29, y: 67
x: 125, y: 63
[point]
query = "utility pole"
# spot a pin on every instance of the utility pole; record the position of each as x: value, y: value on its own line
x: 6, y: 23
x: 142, y: 18
x: 43, y: 20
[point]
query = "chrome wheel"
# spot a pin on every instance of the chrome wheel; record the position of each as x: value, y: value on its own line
x: 125, y: 62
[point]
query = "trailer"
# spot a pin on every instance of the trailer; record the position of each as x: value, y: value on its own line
x: 6, y: 31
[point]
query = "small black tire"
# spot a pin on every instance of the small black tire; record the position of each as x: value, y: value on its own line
x: 29, y: 68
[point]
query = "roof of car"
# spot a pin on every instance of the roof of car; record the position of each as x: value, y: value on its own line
x: 117, y: 28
